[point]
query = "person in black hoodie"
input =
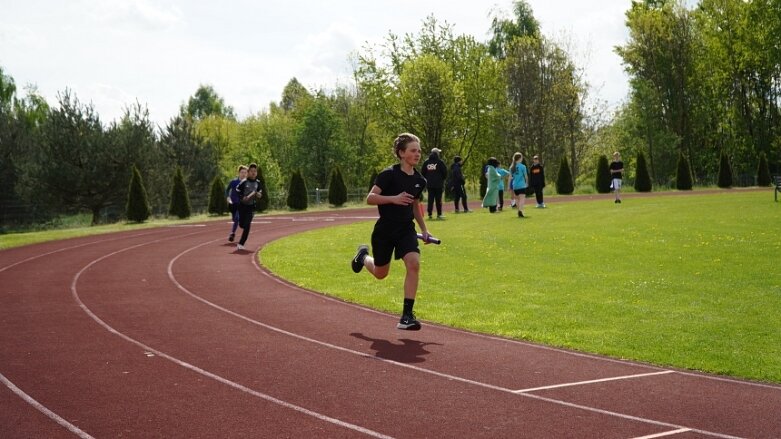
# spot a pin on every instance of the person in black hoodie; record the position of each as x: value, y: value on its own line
x: 434, y: 170
x: 537, y: 179
x: 457, y: 182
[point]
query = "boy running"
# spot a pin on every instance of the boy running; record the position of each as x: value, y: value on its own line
x: 249, y: 191
x: 396, y: 193
x: 233, y: 200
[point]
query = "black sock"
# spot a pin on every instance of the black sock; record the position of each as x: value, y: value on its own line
x: 408, y: 303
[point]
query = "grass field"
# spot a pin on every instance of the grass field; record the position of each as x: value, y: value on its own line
x: 686, y: 281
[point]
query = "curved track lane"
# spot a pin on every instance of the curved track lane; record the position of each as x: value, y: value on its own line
x: 172, y: 333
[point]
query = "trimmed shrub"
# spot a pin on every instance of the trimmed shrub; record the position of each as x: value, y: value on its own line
x: 564, y: 183
x: 529, y: 189
x: 261, y: 204
x: 603, y: 175
x: 180, y: 200
x: 137, y: 208
x: 725, y: 172
x: 683, y: 177
x: 642, y: 177
x: 337, y: 190
x: 218, y: 203
x: 763, y: 172
x: 296, y: 196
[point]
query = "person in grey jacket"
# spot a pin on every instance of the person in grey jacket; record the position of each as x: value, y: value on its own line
x: 434, y: 170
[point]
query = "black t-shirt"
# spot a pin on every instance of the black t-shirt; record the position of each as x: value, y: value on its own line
x: 393, y: 181
x: 615, y: 166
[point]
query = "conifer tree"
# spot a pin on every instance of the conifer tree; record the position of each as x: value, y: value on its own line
x: 218, y: 203
x: 763, y: 172
x: 137, y: 201
x: 642, y: 177
x: 564, y: 183
x: 725, y: 172
x: 261, y: 204
x: 683, y: 179
x: 296, y: 196
x: 337, y: 190
x: 180, y: 200
x: 603, y: 175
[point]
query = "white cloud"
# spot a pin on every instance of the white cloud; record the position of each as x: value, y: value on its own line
x: 134, y: 15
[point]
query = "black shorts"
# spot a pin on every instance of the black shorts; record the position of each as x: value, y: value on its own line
x: 519, y: 191
x: 389, y: 237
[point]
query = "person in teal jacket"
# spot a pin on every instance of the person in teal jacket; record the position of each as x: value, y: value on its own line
x: 492, y: 188
x: 520, y: 181
x: 503, y: 173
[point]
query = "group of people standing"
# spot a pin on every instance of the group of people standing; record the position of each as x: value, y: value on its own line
x: 518, y: 178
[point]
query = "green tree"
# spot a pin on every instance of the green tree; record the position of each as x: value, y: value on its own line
x: 642, y: 178
x: 603, y: 175
x: 337, y: 191
x: 725, y: 172
x: 504, y: 30
x: 683, y: 179
x: 137, y: 209
x: 181, y: 146
x: 564, y: 183
x: 297, y: 198
x: 318, y: 141
x: 206, y: 102
x: 218, y: 203
x: 261, y: 204
x: 180, y: 199
x: 763, y: 172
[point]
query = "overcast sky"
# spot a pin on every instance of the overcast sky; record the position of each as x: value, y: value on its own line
x: 114, y: 52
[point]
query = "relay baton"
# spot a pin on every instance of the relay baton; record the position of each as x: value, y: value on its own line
x: 430, y: 240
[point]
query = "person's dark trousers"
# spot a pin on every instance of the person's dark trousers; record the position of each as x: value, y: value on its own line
x: 435, y: 196
x: 234, y: 209
x: 245, y: 221
x: 459, y: 192
x: 501, y: 200
x: 538, y: 194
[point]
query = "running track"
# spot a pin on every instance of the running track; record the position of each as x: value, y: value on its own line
x: 169, y: 332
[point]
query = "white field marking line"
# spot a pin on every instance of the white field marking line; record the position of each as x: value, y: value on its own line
x: 32, y: 258
x: 197, y: 369
x: 50, y: 414
x: 420, y: 369
x: 506, y: 340
x: 602, y: 380
x: 666, y: 433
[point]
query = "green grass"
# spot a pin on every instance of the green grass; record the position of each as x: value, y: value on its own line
x: 691, y: 281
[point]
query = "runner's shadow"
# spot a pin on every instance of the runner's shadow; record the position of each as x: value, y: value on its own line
x: 409, y: 351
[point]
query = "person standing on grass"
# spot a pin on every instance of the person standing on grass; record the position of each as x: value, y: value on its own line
x: 520, y: 177
x: 492, y: 185
x: 249, y: 191
x: 434, y: 170
x: 503, y: 173
x: 616, y: 173
x: 537, y: 179
x: 458, y: 182
x: 396, y: 194
x: 233, y: 200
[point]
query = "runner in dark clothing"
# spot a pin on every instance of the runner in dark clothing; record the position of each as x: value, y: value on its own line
x: 435, y: 172
x: 249, y: 191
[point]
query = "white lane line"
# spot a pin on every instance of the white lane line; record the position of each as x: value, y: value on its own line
x: 420, y: 369
x: 146, y: 348
x: 50, y: 414
x: 666, y: 433
x: 602, y: 380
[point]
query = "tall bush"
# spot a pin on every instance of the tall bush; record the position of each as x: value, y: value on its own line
x: 683, y: 177
x: 296, y: 196
x: 180, y: 200
x: 137, y: 208
x: 564, y: 183
x: 725, y: 172
x: 603, y: 175
x: 642, y: 177
x: 337, y: 190
x: 261, y: 204
x: 763, y: 172
x: 218, y: 203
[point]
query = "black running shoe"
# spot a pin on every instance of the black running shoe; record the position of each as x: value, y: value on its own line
x: 357, y: 262
x: 231, y: 237
x: 409, y: 323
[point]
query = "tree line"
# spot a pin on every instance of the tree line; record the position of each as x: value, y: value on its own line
x: 704, y: 84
